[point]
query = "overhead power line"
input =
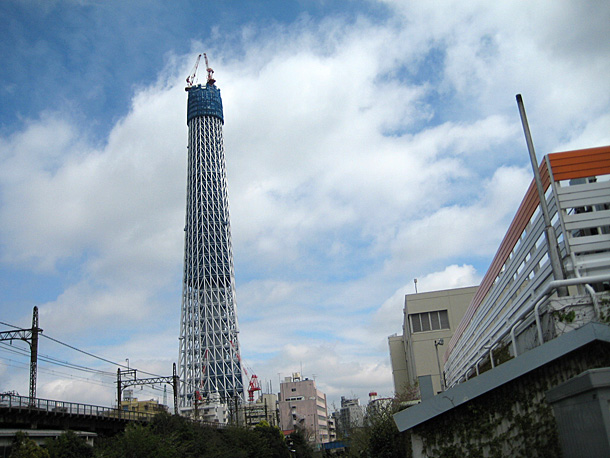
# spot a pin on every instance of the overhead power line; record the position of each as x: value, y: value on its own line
x: 97, y: 357
x: 50, y: 359
x: 85, y: 353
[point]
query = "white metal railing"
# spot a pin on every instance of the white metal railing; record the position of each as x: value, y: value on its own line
x: 581, y: 218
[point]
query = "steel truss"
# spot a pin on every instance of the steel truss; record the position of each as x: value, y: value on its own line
x: 209, y: 360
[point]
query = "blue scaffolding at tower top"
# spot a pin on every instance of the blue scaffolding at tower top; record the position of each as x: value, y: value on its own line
x: 204, y: 101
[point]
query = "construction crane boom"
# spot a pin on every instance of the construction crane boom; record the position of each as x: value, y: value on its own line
x: 211, y: 79
x: 191, y: 78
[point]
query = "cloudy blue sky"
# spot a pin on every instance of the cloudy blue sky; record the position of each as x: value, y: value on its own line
x: 367, y: 142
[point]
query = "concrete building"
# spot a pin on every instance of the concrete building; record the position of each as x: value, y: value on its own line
x: 263, y: 409
x: 150, y: 406
x: 212, y: 410
x: 429, y: 320
x: 332, y: 429
x: 534, y: 343
x: 351, y: 415
x: 303, y: 406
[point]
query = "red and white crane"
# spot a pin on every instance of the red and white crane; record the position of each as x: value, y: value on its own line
x: 190, y: 80
x: 252, y: 387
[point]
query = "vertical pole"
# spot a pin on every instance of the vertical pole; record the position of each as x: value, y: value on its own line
x: 118, y: 393
x: 34, y: 356
x: 175, y: 383
x: 236, y: 411
x: 549, y: 231
x: 438, y: 361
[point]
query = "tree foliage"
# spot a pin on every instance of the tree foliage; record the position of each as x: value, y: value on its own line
x: 168, y: 437
x: 379, y: 437
x: 24, y: 447
x: 176, y: 437
x: 69, y: 445
x: 300, y: 444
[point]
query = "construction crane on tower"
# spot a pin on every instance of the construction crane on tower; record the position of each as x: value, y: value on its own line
x: 190, y: 80
x: 211, y: 79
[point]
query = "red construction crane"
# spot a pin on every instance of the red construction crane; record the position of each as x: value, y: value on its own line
x: 254, y: 386
x: 191, y: 78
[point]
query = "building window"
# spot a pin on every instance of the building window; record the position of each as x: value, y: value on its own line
x: 429, y: 321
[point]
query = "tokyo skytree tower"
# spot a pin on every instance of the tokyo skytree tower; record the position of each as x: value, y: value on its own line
x: 209, y: 361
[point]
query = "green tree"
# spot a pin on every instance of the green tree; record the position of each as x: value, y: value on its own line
x: 300, y: 445
x: 385, y: 441
x: 274, y: 440
x: 379, y: 437
x: 24, y: 447
x: 69, y: 445
x: 138, y: 442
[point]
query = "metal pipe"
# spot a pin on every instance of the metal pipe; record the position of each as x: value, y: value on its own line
x: 587, y: 286
x: 491, y: 355
x: 538, y: 323
x: 513, y: 338
x: 549, y: 230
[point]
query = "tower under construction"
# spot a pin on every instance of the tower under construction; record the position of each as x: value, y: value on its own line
x: 209, y: 361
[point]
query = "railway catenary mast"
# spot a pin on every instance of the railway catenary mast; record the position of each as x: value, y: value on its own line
x: 209, y: 361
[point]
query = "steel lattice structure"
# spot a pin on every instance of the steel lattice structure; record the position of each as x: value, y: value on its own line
x: 209, y: 360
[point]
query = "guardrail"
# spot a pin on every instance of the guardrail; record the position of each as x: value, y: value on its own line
x: 12, y: 401
x: 21, y: 403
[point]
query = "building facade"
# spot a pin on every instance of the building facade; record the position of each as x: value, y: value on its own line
x: 302, y: 406
x: 263, y: 409
x: 209, y: 361
x: 150, y: 407
x: 351, y: 415
x: 429, y: 320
